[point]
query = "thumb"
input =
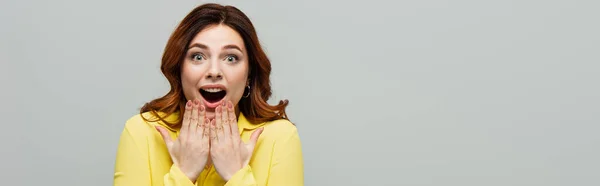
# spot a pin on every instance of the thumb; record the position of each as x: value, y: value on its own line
x: 254, y: 137
x: 165, y: 135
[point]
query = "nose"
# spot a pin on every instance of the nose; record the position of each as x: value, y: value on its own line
x: 214, y: 73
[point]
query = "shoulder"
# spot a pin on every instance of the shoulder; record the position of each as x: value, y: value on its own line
x: 280, y: 129
x: 135, y: 126
x: 281, y: 137
x: 141, y: 125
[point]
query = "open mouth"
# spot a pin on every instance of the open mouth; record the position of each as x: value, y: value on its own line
x: 213, y: 95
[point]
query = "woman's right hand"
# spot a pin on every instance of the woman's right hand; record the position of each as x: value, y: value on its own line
x: 190, y: 151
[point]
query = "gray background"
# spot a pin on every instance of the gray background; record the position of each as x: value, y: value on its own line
x: 435, y: 92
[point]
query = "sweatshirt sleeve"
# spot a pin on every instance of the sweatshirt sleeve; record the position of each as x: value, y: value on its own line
x: 132, y: 168
x: 286, y: 165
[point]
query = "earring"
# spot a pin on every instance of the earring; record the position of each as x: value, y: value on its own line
x: 247, y: 95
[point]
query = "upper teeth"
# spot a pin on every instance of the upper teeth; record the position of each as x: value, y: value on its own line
x: 212, y: 89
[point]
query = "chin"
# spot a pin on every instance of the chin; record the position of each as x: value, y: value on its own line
x: 210, y: 115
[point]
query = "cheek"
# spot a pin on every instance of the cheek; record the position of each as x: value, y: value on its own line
x: 237, y: 86
x: 238, y: 91
x: 189, y: 80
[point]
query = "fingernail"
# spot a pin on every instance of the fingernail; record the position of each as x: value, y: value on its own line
x: 230, y: 105
x: 201, y: 107
x: 188, y: 104
x: 196, y: 102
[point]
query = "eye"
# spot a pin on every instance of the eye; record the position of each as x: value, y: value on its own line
x: 197, y: 57
x: 231, y: 58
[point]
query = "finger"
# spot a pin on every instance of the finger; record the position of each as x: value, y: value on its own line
x: 205, y: 128
x: 185, y: 124
x: 233, y: 122
x: 194, y: 118
x: 213, y: 133
x: 166, y: 137
x: 232, y: 127
x: 254, y: 137
x: 227, y: 122
x: 219, y: 121
x: 225, y: 131
x: 201, y: 122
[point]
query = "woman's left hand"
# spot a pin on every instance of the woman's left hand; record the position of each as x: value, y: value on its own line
x: 228, y: 152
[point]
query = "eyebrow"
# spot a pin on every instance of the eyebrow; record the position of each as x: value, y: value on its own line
x: 202, y: 46
x: 198, y: 45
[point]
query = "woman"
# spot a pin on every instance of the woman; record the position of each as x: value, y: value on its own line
x: 214, y: 127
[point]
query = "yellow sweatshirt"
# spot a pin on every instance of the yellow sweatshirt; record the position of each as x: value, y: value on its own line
x: 143, y: 159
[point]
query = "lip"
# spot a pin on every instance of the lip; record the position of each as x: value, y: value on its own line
x: 214, y: 105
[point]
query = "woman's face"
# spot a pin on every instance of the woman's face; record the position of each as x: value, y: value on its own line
x: 215, y: 68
